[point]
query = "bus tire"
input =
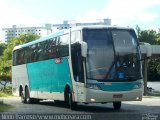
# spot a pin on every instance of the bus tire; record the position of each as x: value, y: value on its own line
x: 72, y: 104
x: 66, y: 94
x: 27, y: 96
x: 117, y: 105
x: 23, y: 100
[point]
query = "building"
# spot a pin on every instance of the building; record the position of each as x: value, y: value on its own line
x: 71, y: 24
x: 15, y: 31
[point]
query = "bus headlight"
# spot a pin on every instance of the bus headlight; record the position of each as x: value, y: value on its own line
x: 93, y: 86
x: 138, y: 86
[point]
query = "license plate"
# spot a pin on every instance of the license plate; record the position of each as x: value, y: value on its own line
x: 117, y: 96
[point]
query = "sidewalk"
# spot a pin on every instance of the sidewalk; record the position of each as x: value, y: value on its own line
x: 152, y: 92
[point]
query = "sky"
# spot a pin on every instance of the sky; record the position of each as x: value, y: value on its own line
x: 144, y: 13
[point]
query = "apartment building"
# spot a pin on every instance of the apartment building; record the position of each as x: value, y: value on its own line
x: 46, y: 29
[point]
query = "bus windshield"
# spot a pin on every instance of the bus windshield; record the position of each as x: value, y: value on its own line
x: 113, y: 54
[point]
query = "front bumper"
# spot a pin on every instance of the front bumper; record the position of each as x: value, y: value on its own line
x: 99, y: 96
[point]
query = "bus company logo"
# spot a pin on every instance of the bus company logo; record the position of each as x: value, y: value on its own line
x: 57, y: 60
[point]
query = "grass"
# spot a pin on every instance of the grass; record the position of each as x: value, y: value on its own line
x: 5, y: 107
x: 6, y: 92
x: 2, y: 94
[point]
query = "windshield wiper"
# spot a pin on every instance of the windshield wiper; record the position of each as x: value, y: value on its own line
x: 112, y: 65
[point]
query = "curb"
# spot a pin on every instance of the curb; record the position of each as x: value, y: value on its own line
x: 153, y: 93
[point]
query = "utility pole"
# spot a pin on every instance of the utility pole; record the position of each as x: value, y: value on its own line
x: 145, y: 75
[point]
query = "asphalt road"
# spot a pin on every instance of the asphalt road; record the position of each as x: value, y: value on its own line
x: 137, y: 110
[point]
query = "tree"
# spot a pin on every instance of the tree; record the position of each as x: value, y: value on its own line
x: 158, y: 37
x: 154, y: 69
x: 24, y: 38
x: 2, y: 48
x: 6, y: 57
x: 149, y: 36
x: 152, y: 37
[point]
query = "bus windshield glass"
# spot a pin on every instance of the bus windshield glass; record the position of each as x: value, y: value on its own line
x: 113, y: 55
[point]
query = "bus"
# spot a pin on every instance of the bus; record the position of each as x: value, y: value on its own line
x: 94, y: 64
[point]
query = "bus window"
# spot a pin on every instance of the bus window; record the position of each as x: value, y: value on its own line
x: 34, y: 52
x: 100, y: 53
x: 77, y: 63
x: 63, y: 46
x: 20, y: 57
x: 15, y: 58
x: 41, y: 52
x: 75, y: 36
x: 52, y: 49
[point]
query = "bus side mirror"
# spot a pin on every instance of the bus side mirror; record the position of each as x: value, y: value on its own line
x: 84, y: 49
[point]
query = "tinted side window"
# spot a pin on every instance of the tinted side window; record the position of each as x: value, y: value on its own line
x: 14, y: 58
x: 25, y: 55
x: 28, y: 54
x: 19, y: 57
x: 63, y: 46
x: 40, y: 52
x: 33, y: 53
x: 49, y: 49
x: 52, y: 48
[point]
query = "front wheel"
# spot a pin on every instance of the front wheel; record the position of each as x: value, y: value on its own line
x: 73, y: 105
x: 117, y: 105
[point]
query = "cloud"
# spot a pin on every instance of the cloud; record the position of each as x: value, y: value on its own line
x: 124, y: 12
x: 89, y: 16
x: 10, y: 15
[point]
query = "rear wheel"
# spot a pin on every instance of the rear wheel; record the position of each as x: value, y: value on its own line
x: 28, y: 99
x: 27, y: 96
x: 23, y: 100
x: 117, y: 105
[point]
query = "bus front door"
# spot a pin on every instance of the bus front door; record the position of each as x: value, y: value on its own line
x: 78, y: 73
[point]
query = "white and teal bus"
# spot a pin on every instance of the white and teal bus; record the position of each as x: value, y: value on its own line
x: 97, y: 64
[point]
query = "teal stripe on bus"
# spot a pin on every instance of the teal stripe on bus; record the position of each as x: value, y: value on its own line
x: 118, y: 86
x: 48, y: 76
